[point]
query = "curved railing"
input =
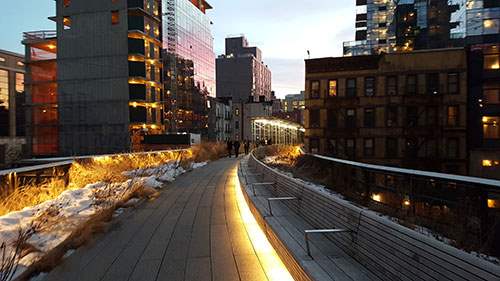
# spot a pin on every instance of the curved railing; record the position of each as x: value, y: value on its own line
x: 388, y: 249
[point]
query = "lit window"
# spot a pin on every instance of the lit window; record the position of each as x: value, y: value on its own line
x: 2, y: 59
x: 452, y: 116
x: 487, y: 163
x: 67, y: 23
x: 491, y: 128
x: 491, y: 26
x: 491, y: 95
x: 67, y: 3
x: 332, y: 88
x: 4, y: 89
x: 492, y: 61
x: 115, y: 17
x: 19, y: 82
x: 20, y: 63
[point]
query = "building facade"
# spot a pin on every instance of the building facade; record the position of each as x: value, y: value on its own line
x: 241, y: 73
x: 12, y: 102
x: 244, y: 113
x: 220, y: 119
x: 96, y: 84
x: 189, y: 65
x: 293, y: 102
x: 401, y: 26
x: 42, y: 115
x: 403, y: 109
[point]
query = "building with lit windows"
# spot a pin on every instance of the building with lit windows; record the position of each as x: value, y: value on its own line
x: 12, y: 102
x: 95, y: 84
x: 42, y: 116
x: 434, y: 110
x: 401, y: 26
x: 189, y: 65
x: 241, y: 73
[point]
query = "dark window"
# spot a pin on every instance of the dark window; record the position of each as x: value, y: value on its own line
x: 411, y: 84
x: 237, y: 125
x: 314, y: 145
x: 369, y: 117
x: 332, y: 147
x: 314, y: 118
x: 332, y: 88
x: 315, y: 90
x: 115, y: 17
x: 411, y: 116
x: 391, y: 148
x: 452, y: 148
x: 392, y: 116
x: 351, y: 87
x: 453, y: 87
x: 411, y: 150
x: 432, y: 116
x: 369, y: 86
x: 136, y: 46
x: 350, y: 148
x: 433, y: 83
x: 382, y: 8
x: 137, y: 69
x: 369, y: 147
x: 332, y: 119
x: 350, y: 118
x: 452, y: 116
x: 382, y: 24
x: 392, y: 86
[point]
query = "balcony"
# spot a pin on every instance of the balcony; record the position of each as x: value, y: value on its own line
x: 37, y: 36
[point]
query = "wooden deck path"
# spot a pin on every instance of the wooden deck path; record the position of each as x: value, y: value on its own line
x: 193, y: 231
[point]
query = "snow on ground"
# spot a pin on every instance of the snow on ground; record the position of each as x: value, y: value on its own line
x: 74, y: 207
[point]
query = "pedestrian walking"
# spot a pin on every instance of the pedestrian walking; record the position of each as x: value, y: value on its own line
x: 237, y: 148
x: 229, y: 147
x: 247, y: 147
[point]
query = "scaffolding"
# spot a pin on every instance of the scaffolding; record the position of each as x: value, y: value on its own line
x: 277, y: 131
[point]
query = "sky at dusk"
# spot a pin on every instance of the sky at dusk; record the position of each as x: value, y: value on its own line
x: 283, y: 30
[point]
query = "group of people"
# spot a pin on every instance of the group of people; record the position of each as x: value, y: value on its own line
x: 236, y: 146
x: 246, y: 145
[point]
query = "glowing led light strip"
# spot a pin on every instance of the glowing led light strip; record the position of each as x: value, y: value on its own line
x: 269, y: 259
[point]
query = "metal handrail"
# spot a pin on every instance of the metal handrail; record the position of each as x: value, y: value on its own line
x: 40, y: 34
x: 410, y: 172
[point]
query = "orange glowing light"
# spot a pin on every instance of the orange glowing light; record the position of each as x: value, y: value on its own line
x: 273, y: 266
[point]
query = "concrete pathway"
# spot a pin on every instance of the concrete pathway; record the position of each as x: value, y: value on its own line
x: 193, y: 231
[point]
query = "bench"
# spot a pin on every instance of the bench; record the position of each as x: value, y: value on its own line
x: 311, y: 258
x: 375, y: 246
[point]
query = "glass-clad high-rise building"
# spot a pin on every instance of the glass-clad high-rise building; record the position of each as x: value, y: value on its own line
x: 189, y: 64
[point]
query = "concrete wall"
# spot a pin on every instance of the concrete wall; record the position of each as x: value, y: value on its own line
x: 93, y: 78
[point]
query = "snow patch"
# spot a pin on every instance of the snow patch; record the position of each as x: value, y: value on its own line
x: 74, y: 207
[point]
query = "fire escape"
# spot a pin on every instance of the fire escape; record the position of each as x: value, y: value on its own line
x: 172, y: 69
